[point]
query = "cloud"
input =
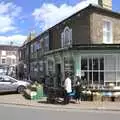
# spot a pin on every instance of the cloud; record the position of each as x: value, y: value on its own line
x: 8, y: 14
x: 49, y: 14
x: 16, y: 39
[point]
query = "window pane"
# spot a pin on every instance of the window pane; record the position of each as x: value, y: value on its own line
x: 118, y: 76
x: 90, y: 64
x: 95, y: 78
x: 66, y: 37
x: 110, y: 76
x: 84, y: 64
x: 107, y: 32
x: 101, y: 77
x: 110, y: 63
x: 101, y: 63
x: 3, y: 53
x: 3, y: 61
x: 108, y: 36
x: 90, y: 77
x: 118, y: 63
x: 95, y: 64
x: 107, y: 25
x: 50, y: 65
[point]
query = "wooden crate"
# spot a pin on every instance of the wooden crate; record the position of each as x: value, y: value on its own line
x: 106, y: 98
x: 117, y: 99
x: 97, y: 98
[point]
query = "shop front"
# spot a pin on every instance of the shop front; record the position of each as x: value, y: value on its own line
x: 100, y: 67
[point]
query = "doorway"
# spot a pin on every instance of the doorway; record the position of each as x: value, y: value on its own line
x: 58, y: 75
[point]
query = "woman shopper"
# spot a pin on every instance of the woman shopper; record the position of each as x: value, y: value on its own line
x: 78, y: 88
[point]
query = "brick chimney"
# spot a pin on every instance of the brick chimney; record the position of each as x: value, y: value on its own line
x: 105, y: 4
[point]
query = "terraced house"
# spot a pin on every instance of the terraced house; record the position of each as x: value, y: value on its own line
x: 86, y: 44
x: 8, y: 59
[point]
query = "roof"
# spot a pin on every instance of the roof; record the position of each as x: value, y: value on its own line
x: 8, y: 47
x: 86, y: 47
x: 91, y: 6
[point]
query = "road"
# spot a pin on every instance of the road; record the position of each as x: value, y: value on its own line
x: 12, y: 112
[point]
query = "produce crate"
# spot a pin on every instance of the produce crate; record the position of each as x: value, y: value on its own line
x: 97, y: 98
x: 30, y: 94
x: 106, y: 98
x: 117, y: 99
x: 39, y: 92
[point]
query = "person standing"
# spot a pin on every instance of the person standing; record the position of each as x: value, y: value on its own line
x: 78, y: 89
x: 68, y: 88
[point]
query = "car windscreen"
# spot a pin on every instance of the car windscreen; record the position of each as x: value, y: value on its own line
x: 8, y: 78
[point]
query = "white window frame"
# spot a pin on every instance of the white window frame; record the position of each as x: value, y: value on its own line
x: 3, y: 53
x: 46, y: 41
x: 63, y: 37
x: 106, y: 31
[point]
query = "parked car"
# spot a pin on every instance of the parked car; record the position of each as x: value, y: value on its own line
x: 9, y: 84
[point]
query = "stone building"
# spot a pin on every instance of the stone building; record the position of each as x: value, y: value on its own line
x: 9, y: 57
x: 87, y: 44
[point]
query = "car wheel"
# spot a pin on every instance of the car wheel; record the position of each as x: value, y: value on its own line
x: 20, y: 89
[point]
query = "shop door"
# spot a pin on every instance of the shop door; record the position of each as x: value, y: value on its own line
x: 58, y: 75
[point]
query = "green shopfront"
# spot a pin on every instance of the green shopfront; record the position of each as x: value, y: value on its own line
x: 95, y: 67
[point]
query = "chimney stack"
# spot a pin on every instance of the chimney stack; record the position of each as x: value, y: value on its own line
x: 105, y: 4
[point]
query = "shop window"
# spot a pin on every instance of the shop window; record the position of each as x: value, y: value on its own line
x: 90, y: 63
x: 68, y: 64
x: 84, y: 64
x: 90, y: 77
x: 118, y: 83
x: 95, y: 63
x: 50, y: 66
x: 92, y: 69
x: 101, y: 63
x: 95, y: 78
x: 102, y: 78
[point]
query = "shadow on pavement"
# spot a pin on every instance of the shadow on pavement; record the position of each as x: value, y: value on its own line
x: 7, y: 93
x: 55, y: 102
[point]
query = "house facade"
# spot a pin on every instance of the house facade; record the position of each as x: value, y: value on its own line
x: 9, y: 57
x: 86, y: 44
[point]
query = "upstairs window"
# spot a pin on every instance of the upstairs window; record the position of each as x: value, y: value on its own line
x: 46, y: 42
x: 31, y: 47
x: 66, y: 37
x: 107, y: 32
x: 3, y: 53
x: 3, y: 60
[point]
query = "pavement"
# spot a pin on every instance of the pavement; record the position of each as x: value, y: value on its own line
x: 18, y: 99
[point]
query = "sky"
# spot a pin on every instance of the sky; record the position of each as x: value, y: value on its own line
x: 20, y: 17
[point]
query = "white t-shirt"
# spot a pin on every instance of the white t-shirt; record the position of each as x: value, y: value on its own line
x: 67, y: 85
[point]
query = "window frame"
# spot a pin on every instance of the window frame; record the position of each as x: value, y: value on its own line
x: 67, y: 31
x: 106, y: 32
x: 2, y: 60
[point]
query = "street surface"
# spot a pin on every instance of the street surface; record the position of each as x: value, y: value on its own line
x: 12, y: 112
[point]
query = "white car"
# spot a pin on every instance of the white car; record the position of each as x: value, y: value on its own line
x: 9, y: 84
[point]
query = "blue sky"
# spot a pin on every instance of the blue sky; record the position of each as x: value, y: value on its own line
x: 19, y: 17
